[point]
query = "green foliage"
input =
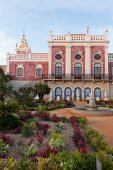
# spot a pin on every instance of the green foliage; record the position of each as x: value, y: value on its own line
x: 57, y: 141
x: 26, y: 164
x: 82, y: 121
x: 9, y: 122
x: 8, y: 108
x: 59, y: 126
x: 5, y: 87
x: 3, y: 148
x: 95, y: 139
x: 32, y: 123
x: 73, y: 161
x: 27, y: 130
x: 107, y: 163
x: 41, y: 89
x: 8, y: 164
x: 31, y: 150
x: 25, y: 96
x: 42, y: 108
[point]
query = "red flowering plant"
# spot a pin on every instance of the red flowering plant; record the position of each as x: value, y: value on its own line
x: 46, y: 151
x: 7, y: 139
x: 43, y: 127
x: 44, y: 116
x: 55, y: 118
x: 77, y: 136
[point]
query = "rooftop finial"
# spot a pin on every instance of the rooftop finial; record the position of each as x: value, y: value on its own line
x: 23, y: 31
x: 87, y: 30
x: 106, y: 31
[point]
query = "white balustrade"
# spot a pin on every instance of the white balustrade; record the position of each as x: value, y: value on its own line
x: 39, y: 56
x: 77, y: 37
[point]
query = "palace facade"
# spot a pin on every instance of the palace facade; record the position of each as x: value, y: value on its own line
x: 75, y: 66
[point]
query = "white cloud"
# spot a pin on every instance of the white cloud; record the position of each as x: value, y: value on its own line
x: 6, y: 44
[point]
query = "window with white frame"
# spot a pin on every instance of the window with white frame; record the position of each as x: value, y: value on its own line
x: 20, y: 71
x: 38, y: 71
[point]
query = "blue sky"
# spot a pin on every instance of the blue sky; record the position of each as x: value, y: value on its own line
x: 37, y: 17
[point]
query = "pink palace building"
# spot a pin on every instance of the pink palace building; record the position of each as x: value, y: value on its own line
x: 75, y: 66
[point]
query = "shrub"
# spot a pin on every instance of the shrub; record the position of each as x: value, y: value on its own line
x: 64, y: 119
x: 46, y: 151
x: 8, y: 164
x: 45, y: 116
x: 3, y: 148
x: 41, y: 108
x: 43, y: 127
x: 31, y: 150
x: 9, y: 122
x: 59, y: 127
x: 26, y: 164
x: 9, y: 108
x: 24, y: 115
x: 95, y: 139
x: 6, y: 139
x: 57, y: 141
x: 27, y: 131
x: 81, y: 120
x: 55, y: 118
x: 40, y: 138
x: 107, y: 163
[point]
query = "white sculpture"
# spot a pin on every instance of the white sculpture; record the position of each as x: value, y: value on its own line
x: 77, y: 95
x: 68, y: 98
x: 58, y: 98
x: 105, y: 96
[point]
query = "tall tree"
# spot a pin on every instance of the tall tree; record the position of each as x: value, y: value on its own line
x: 41, y: 89
x: 24, y: 95
x: 5, y: 87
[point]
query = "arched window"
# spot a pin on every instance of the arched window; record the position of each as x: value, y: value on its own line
x: 39, y: 70
x: 58, y: 70
x: 20, y: 71
x: 78, y: 70
x: 87, y: 92
x: 58, y: 92
x: 78, y: 93
x: 97, y: 71
x: 68, y: 93
x: 97, y: 92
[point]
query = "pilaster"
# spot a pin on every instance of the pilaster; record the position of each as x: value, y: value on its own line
x: 106, y: 59
x: 68, y: 60
x: 88, y: 59
x: 50, y: 59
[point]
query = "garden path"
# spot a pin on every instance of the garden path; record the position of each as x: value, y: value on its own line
x: 103, y: 124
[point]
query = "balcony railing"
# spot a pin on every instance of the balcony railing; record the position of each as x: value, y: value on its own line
x: 78, y: 77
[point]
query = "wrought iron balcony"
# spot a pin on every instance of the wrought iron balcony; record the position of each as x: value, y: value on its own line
x: 78, y: 77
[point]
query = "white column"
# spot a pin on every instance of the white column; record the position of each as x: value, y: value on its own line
x: 106, y: 60
x: 50, y: 60
x: 68, y: 60
x: 88, y: 59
